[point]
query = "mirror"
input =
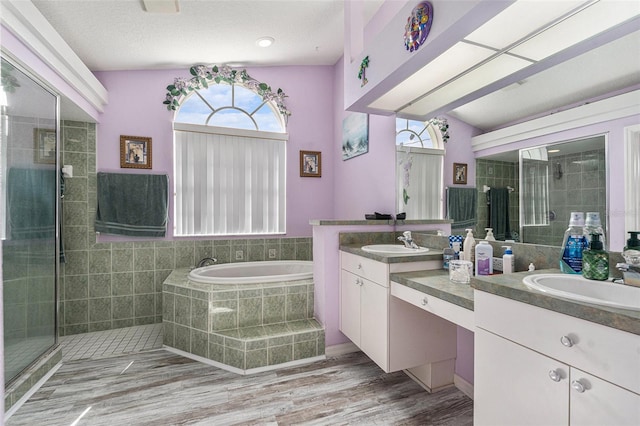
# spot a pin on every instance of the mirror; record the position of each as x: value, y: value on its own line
x: 548, y: 183
x: 419, y: 170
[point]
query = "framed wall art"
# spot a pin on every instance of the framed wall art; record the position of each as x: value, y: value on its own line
x: 310, y: 164
x: 355, y: 135
x: 135, y: 152
x: 460, y: 173
x: 44, y: 145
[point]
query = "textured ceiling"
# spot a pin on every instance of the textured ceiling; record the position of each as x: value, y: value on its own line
x: 120, y: 35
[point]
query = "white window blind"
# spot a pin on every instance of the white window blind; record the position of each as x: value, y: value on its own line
x: 229, y: 181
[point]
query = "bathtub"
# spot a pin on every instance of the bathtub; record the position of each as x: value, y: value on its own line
x: 253, y: 272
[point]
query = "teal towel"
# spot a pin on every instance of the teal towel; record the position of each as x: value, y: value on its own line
x: 31, y: 203
x: 132, y: 204
x: 462, y: 207
x: 499, y: 213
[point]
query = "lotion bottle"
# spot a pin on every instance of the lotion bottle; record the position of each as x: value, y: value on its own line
x: 508, y: 260
x: 469, y: 246
x: 484, y: 258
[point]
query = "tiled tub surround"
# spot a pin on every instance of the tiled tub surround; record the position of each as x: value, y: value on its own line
x: 241, y: 327
x: 105, y: 286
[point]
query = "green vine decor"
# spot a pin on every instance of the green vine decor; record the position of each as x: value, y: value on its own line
x: 204, y: 75
x: 363, y: 68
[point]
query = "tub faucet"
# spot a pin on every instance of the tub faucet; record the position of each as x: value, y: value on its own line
x: 207, y: 261
x: 407, y: 240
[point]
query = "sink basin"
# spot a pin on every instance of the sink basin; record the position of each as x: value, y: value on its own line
x: 393, y: 249
x: 575, y: 287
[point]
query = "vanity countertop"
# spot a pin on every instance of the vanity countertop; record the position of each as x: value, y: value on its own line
x: 437, y: 284
x: 432, y: 254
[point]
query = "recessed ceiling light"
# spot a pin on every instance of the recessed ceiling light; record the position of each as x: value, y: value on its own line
x: 265, y: 41
x: 551, y: 151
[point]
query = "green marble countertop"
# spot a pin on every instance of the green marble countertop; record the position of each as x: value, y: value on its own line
x: 511, y: 287
x: 432, y: 254
x: 342, y: 222
x: 437, y: 284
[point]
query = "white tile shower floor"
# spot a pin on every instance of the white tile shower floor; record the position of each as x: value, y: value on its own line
x: 120, y: 341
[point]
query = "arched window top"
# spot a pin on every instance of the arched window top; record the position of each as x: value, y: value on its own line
x: 423, y: 134
x: 233, y: 100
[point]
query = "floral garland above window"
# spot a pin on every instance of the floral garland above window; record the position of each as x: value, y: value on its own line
x: 203, y: 75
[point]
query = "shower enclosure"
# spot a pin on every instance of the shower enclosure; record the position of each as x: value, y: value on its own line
x: 29, y: 188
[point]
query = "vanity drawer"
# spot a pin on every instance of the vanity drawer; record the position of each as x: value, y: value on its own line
x: 366, y: 268
x: 606, y: 352
x: 447, y: 310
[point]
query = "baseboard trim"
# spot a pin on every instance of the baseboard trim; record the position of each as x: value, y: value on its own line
x: 341, y: 349
x: 464, y: 386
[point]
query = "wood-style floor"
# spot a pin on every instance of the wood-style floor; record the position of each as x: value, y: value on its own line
x: 161, y: 388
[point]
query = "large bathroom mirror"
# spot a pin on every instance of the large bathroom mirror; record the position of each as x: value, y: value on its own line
x: 419, y: 170
x: 541, y: 186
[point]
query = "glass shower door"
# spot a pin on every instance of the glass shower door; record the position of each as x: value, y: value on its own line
x: 29, y: 185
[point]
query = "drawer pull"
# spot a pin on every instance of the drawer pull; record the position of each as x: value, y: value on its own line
x: 577, y: 386
x: 554, y: 375
x: 424, y: 301
x: 566, y: 341
x: 359, y: 265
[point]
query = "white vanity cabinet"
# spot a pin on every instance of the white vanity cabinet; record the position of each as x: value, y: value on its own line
x: 534, y: 366
x: 394, y: 334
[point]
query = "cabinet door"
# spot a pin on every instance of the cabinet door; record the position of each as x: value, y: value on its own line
x: 349, y: 321
x: 374, y: 327
x: 596, y: 402
x: 513, y: 385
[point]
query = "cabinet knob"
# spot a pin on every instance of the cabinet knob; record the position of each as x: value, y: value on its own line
x: 577, y: 386
x: 555, y: 375
x: 424, y: 301
x: 566, y: 341
x: 359, y: 265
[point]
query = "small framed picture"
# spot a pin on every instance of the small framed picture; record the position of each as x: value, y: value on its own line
x: 135, y: 152
x: 310, y: 164
x: 44, y: 144
x: 460, y: 173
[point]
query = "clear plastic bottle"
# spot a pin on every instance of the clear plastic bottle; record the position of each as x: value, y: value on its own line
x: 573, y: 244
x: 592, y: 225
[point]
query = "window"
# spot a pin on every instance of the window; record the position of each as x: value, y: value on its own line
x: 230, y: 163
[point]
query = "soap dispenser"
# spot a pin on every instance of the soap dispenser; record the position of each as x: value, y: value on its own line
x: 469, y: 245
x: 631, y: 252
x: 508, y: 260
x: 595, y: 260
x: 489, y: 236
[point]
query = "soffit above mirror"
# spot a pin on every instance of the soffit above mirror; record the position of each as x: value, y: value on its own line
x: 567, y: 51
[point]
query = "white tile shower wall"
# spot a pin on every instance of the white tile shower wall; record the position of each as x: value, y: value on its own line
x: 105, y: 286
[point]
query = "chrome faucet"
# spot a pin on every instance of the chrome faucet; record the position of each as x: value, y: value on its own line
x: 407, y: 240
x: 630, y: 273
x: 207, y: 261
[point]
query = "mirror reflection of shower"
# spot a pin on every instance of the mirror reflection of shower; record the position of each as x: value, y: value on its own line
x: 558, y: 179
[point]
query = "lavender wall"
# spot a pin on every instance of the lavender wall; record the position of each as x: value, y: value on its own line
x: 135, y: 108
